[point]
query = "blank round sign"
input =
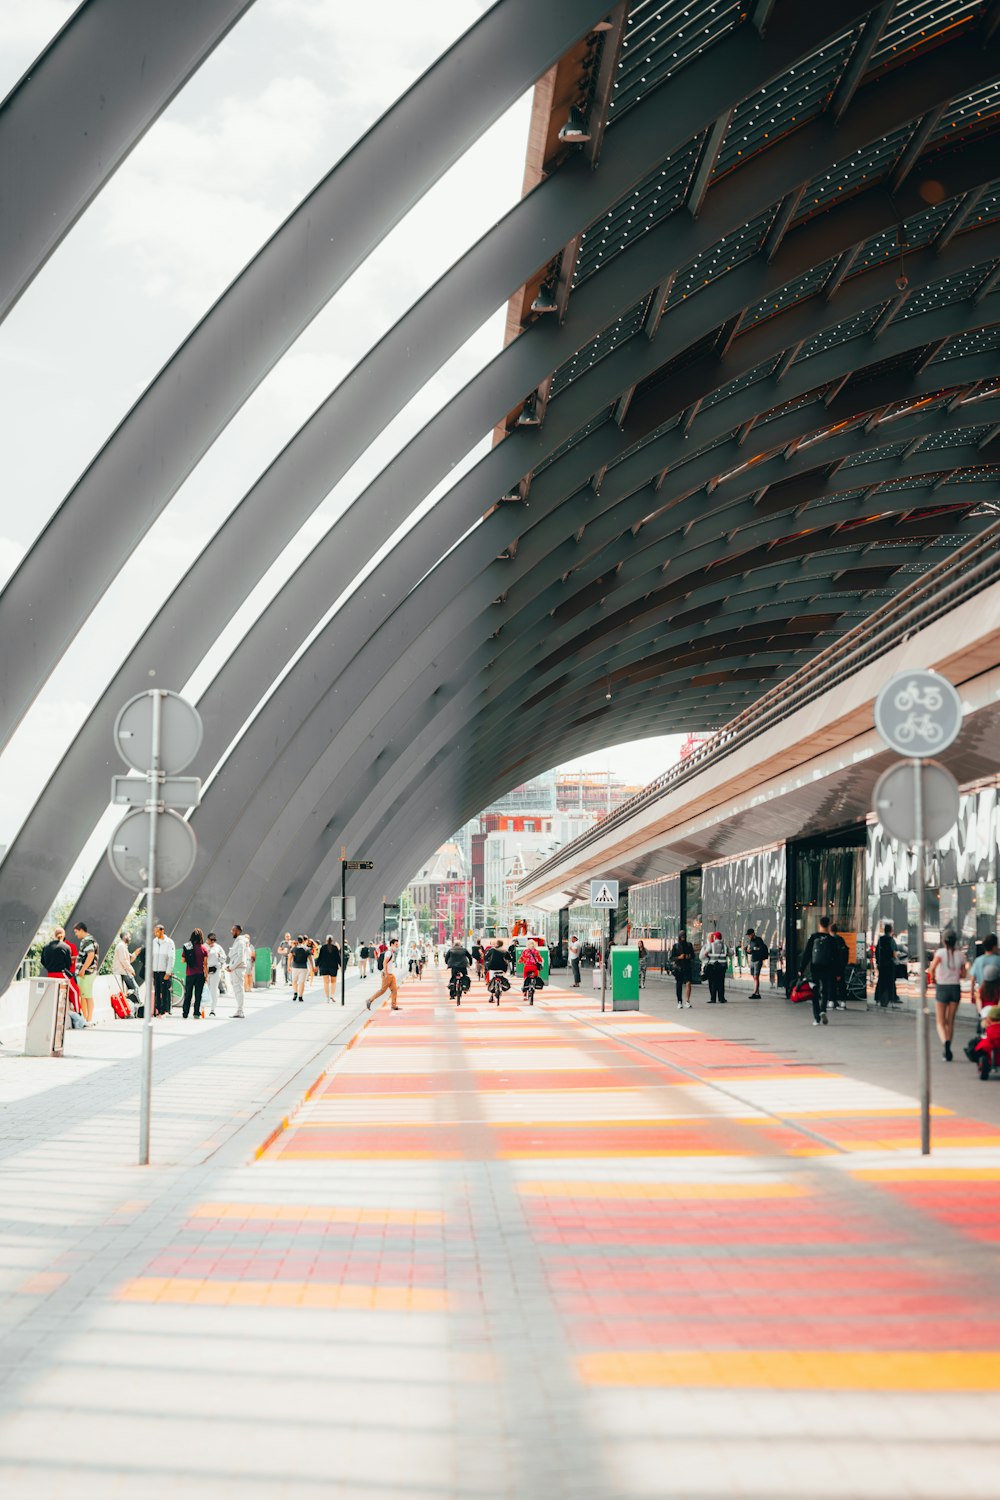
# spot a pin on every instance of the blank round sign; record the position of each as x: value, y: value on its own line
x: 180, y: 732
x: 894, y: 802
x: 176, y: 849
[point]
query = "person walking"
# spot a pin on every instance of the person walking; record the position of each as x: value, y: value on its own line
x: 364, y: 954
x: 755, y: 949
x: 283, y: 953
x: 715, y: 958
x: 574, y: 959
x: 820, y: 959
x: 948, y: 969
x: 842, y: 957
x: 301, y: 964
x: 682, y: 962
x: 215, y: 963
x: 195, y: 955
x: 239, y: 967
x: 328, y: 966
x: 643, y: 964
x: 164, y: 951
x: 886, y: 959
x: 389, y: 962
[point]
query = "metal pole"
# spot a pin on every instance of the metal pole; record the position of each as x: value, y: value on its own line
x: 152, y: 807
x: 605, y: 955
x: 923, y: 1032
x: 343, y: 927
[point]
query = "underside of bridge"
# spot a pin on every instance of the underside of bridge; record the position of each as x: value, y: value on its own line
x: 750, y: 389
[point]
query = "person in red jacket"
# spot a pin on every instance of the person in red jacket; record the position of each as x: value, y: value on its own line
x: 531, y: 963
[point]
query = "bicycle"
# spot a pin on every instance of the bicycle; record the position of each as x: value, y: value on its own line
x: 496, y: 986
x: 458, y: 985
x: 530, y: 983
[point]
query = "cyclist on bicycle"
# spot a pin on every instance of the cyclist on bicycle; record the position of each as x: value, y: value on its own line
x: 457, y: 961
x: 495, y: 961
x: 478, y: 954
x: 531, y: 961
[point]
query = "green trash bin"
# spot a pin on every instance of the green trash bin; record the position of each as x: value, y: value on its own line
x: 543, y: 954
x: 624, y: 979
x: 262, y: 967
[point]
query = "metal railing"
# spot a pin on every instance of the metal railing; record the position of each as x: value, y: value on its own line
x: 942, y: 588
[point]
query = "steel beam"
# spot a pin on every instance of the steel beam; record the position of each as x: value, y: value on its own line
x: 82, y: 106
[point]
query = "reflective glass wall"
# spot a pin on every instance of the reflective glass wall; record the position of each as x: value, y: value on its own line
x: 746, y: 892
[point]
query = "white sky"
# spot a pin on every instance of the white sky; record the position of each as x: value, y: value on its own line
x: 285, y: 95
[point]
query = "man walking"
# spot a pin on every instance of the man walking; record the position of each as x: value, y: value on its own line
x: 239, y: 967
x: 682, y: 963
x: 820, y: 958
x: 574, y: 959
x: 756, y: 952
x: 389, y: 962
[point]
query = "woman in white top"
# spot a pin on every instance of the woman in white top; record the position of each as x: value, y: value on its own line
x: 946, y: 972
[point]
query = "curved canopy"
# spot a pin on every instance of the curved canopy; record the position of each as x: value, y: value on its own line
x: 751, y: 385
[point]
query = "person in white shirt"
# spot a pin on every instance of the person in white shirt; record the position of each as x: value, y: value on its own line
x: 163, y: 970
x: 216, y: 964
x: 389, y: 963
x: 121, y: 967
x: 574, y: 959
x: 239, y: 967
x: 948, y: 969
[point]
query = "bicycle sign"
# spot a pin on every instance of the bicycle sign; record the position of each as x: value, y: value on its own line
x: 918, y: 713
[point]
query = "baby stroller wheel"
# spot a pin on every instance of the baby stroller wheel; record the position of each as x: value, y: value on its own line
x: 984, y: 1065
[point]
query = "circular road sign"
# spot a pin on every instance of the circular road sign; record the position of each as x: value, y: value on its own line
x: 894, y: 801
x: 180, y: 732
x: 918, y: 713
x: 176, y: 848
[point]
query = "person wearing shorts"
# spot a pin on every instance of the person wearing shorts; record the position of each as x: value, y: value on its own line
x: 946, y: 972
x: 755, y: 949
x: 86, y: 973
x: 388, y: 977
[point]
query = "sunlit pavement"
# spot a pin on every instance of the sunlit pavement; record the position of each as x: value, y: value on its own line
x: 528, y: 1252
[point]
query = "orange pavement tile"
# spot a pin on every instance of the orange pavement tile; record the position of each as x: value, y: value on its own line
x: 793, y: 1369
x: 301, y: 1294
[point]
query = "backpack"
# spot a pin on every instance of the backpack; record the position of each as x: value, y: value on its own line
x: 823, y: 951
x: 380, y: 960
x: 758, y: 948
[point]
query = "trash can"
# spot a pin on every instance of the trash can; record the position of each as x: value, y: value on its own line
x: 262, y: 967
x: 624, y: 979
x: 45, y: 1028
x: 543, y: 954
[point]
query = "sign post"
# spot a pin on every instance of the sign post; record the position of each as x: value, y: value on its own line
x: 917, y: 713
x: 604, y: 894
x: 158, y: 733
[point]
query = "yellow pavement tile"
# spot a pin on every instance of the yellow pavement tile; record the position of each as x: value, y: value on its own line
x: 303, y: 1294
x: 797, y: 1369
x: 316, y: 1213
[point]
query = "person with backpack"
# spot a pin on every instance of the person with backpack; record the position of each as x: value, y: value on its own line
x: 715, y: 961
x: 457, y: 961
x: 682, y: 963
x: 387, y: 963
x: 886, y: 959
x: 820, y: 959
x: 948, y: 969
x: 755, y: 949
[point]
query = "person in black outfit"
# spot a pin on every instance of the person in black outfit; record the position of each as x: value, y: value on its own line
x: 682, y: 963
x: 328, y: 966
x: 886, y: 959
x: 457, y: 961
x: 820, y: 958
x: 57, y: 957
x: 840, y: 968
x: 755, y: 949
x: 496, y: 961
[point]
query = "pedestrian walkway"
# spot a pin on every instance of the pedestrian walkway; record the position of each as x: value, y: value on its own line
x: 534, y: 1252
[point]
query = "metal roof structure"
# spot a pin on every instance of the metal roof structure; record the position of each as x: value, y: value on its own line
x: 750, y: 388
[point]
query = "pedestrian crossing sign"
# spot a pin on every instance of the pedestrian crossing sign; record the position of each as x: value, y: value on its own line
x: 604, y: 893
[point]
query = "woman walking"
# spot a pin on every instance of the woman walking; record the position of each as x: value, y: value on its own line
x: 948, y: 968
x: 643, y: 964
x: 301, y: 964
x: 195, y: 972
x: 328, y: 966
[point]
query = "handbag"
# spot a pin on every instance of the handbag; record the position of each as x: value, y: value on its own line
x: 901, y: 971
x: 801, y: 992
